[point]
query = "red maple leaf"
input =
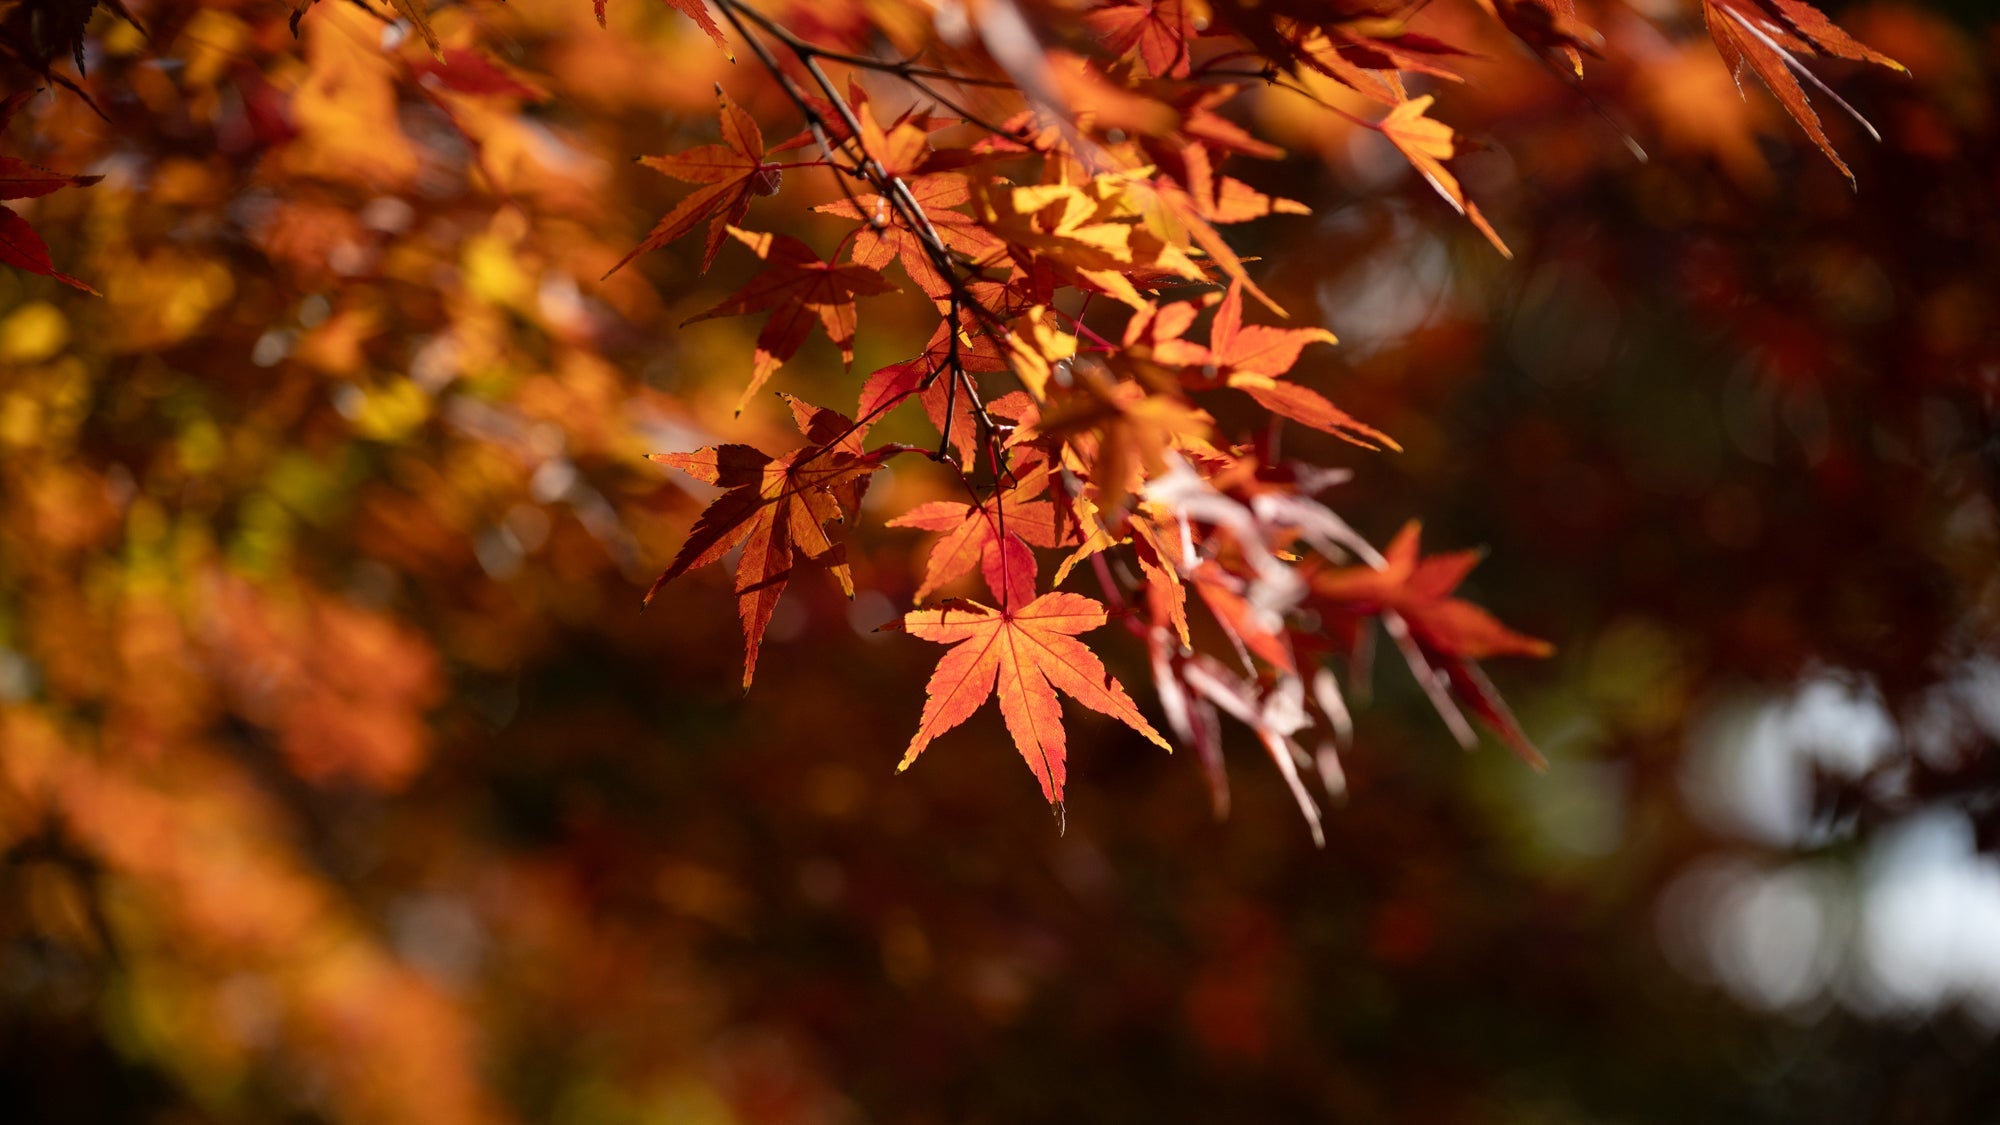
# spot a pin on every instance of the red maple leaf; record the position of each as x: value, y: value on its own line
x: 1158, y: 31
x: 777, y: 508
x: 799, y: 288
x: 1768, y: 36
x: 20, y: 246
x: 1412, y: 595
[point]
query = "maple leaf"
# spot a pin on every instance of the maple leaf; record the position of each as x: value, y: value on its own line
x: 731, y: 172
x: 1548, y: 26
x: 1187, y: 159
x: 1191, y: 152
x: 20, y: 246
x: 777, y: 508
x: 903, y: 148
x: 972, y: 535
x: 1084, y: 227
x: 1412, y: 595
x: 1200, y: 122
x: 1166, y: 595
x: 1251, y: 358
x: 1398, y: 50
x: 1427, y: 144
x: 1420, y: 590
x: 1371, y: 64
x: 1158, y: 32
x: 1768, y: 36
x: 698, y: 12
x: 1178, y: 217
x: 833, y: 123
x: 1090, y: 234
x: 933, y: 385
x: 888, y: 239
x: 1023, y: 655
x: 1036, y: 348
x: 1226, y: 199
x: 929, y: 377
x: 798, y: 288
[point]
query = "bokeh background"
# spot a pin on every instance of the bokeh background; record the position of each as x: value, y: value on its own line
x: 342, y: 780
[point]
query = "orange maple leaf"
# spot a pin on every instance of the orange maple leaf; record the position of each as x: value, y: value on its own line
x: 776, y: 508
x: 1023, y: 655
x: 1203, y: 122
x: 1166, y: 594
x: 1251, y: 358
x: 1179, y: 217
x: 931, y: 379
x: 931, y: 383
x: 972, y: 535
x: 799, y: 288
x: 1427, y: 144
x: 732, y: 171
x: 935, y: 194
x: 1190, y: 157
x: 1372, y: 62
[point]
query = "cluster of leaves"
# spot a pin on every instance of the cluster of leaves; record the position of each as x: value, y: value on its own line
x: 340, y: 491
x: 1045, y: 179
x: 1043, y: 159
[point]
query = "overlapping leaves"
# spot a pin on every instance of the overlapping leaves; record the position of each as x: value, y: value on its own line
x: 1072, y: 177
x: 776, y: 509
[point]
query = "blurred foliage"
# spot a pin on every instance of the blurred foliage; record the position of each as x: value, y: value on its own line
x: 342, y: 780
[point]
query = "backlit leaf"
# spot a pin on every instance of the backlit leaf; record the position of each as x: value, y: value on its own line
x: 1022, y: 656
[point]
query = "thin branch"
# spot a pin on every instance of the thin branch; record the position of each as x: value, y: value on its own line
x: 896, y: 192
x: 904, y: 69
